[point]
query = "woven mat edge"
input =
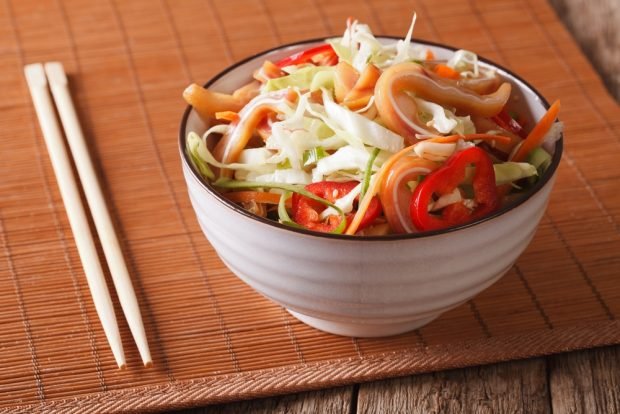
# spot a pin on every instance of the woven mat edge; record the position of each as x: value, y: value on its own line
x: 325, y: 374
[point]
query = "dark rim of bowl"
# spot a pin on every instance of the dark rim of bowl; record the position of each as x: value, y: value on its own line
x: 557, y: 155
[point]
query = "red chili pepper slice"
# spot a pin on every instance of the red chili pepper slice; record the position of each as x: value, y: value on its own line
x: 307, y: 212
x: 323, y: 55
x: 444, y: 180
x: 504, y: 120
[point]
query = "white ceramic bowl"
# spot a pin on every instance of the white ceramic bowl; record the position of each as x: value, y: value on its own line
x: 365, y: 286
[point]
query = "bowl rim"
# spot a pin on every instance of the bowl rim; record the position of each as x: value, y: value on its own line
x: 513, y: 204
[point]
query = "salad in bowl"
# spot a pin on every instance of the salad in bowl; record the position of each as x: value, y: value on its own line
x: 356, y: 136
x: 367, y: 183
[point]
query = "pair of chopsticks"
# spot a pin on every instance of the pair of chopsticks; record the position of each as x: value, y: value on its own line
x: 37, y: 77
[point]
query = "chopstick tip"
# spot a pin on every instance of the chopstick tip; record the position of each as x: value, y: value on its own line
x: 35, y: 75
x: 56, y: 73
x: 148, y: 364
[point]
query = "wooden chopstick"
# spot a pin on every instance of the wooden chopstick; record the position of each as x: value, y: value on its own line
x: 37, y: 83
x: 94, y: 196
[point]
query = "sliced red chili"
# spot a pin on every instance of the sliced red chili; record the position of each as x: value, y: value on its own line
x: 444, y: 181
x: 323, y: 55
x: 307, y: 212
x: 505, y: 121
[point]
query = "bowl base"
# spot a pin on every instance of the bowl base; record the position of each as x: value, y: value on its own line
x: 361, y: 330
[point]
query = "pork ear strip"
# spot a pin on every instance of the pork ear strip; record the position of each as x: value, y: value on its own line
x: 207, y: 103
x: 229, y: 147
x: 344, y: 81
x: 400, y: 113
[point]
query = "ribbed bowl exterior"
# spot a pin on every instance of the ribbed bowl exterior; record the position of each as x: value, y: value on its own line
x: 365, y: 287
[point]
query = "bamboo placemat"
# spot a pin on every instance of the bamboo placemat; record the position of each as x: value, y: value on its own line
x: 214, y: 339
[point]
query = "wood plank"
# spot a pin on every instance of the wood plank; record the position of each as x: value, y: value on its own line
x: 585, y: 381
x: 335, y: 400
x: 512, y: 387
x: 593, y: 23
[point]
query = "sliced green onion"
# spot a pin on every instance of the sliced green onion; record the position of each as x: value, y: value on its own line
x: 368, y: 172
x: 283, y: 216
x: 312, y: 156
x: 284, y: 165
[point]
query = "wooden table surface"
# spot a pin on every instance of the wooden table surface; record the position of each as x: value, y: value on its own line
x: 576, y: 382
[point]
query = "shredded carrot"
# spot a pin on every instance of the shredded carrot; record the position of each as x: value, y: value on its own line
x: 430, y: 55
x: 446, y: 71
x: 229, y: 116
x: 470, y: 137
x: 535, y: 138
x: 256, y: 196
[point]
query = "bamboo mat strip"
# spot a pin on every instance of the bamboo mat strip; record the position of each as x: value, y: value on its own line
x: 213, y: 339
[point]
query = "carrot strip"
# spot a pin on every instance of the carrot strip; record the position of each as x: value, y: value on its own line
x: 446, y: 71
x: 470, y: 137
x: 430, y: 55
x: 229, y: 116
x: 535, y: 137
x: 256, y: 196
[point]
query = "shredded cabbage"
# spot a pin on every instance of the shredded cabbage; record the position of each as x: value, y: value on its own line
x: 285, y: 176
x: 434, y: 151
x: 196, y: 149
x: 346, y: 158
x: 444, y: 120
x: 554, y: 133
x: 257, y: 156
x: 304, y: 78
x: 441, y: 119
x: 359, y: 47
x: 451, y: 198
x: 465, y: 62
x: 369, y: 132
x: 345, y: 203
x: 508, y: 172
